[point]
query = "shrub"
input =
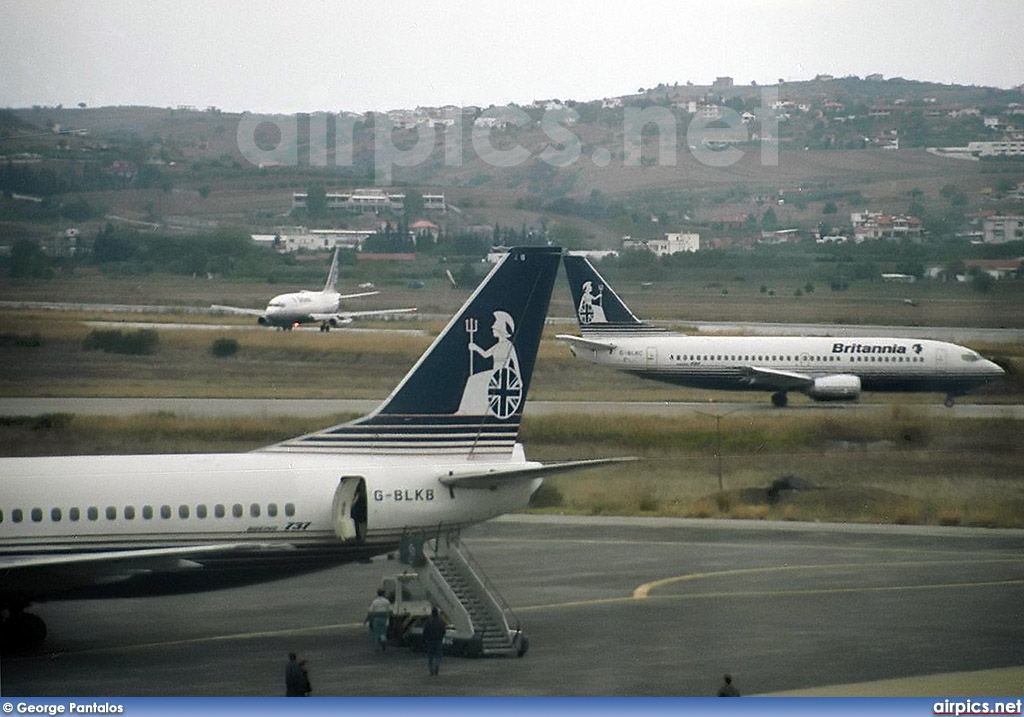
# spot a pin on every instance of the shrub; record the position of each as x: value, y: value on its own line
x: 547, y: 496
x: 222, y: 348
x: 34, y: 340
x: 115, y: 341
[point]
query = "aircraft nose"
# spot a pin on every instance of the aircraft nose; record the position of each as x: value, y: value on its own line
x: 993, y: 369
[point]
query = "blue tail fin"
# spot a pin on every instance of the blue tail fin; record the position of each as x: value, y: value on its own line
x: 598, y: 308
x: 467, y: 392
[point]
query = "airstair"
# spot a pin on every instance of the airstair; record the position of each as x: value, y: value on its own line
x: 481, y: 623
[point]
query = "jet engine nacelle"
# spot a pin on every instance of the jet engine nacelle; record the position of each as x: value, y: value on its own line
x: 841, y: 387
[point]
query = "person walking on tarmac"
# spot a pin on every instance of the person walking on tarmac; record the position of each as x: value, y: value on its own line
x: 728, y: 689
x: 296, y: 679
x: 433, y: 636
x: 378, y: 617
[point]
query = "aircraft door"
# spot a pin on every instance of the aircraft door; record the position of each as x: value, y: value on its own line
x: 349, y: 509
x: 652, y: 357
x: 940, y: 360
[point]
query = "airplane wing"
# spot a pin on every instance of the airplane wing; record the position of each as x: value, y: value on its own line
x: 493, y: 478
x: 347, y: 316
x: 47, y: 575
x: 237, y: 310
x: 591, y: 344
x: 146, y: 556
x: 357, y: 296
x: 775, y: 379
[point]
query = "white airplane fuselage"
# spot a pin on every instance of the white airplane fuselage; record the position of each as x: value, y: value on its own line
x: 287, y: 512
x: 300, y: 307
x: 746, y: 363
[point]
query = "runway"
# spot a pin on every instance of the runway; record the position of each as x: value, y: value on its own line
x: 211, y: 407
x: 612, y: 607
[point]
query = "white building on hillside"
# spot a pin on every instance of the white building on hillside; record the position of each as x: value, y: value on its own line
x: 671, y: 244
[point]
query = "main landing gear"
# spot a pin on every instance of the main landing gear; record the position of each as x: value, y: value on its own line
x: 949, y: 402
x: 780, y: 399
x: 21, y: 631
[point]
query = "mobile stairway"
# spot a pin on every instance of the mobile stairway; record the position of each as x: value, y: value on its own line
x: 480, y: 621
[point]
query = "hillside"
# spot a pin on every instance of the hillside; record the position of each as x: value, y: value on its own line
x: 574, y: 165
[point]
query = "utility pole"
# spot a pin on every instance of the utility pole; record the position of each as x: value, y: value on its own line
x: 718, y: 441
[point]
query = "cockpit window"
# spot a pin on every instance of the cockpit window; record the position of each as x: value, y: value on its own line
x: 970, y: 356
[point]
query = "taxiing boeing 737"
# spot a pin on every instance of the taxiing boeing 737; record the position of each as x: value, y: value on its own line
x: 440, y: 453
x: 825, y: 369
x: 286, y: 311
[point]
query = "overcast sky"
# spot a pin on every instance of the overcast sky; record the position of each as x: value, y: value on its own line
x: 300, y: 56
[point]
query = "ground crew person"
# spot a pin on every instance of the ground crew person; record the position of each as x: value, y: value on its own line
x: 378, y: 617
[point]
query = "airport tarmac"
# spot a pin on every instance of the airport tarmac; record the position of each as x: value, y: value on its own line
x: 612, y: 607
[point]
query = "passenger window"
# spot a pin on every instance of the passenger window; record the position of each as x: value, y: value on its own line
x: 55, y: 515
x: 1, y: 516
x: 200, y: 511
x: 289, y: 509
x: 254, y: 510
x: 17, y: 516
x: 111, y: 512
x: 74, y: 514
x: 218, y: 510
x: 165, y: 512
x: 92, y: 512
x: 37, y: 515
x: 129, y: 512
x: 147, y: 512
x: 272, y: 510
x: 182, y: 511
x: 236, y: 510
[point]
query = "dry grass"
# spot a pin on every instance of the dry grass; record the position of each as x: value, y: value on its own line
x: 850, y: 469
x: 900, y: 469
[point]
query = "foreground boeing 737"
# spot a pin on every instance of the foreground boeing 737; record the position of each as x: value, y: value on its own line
x: 441, y: 452
x: 825, y: 369
x: 286, y: 311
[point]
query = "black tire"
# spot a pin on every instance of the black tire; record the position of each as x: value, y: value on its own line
x: 22, y: 632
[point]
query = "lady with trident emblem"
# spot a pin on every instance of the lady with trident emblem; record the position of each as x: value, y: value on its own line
x: 497, y: 390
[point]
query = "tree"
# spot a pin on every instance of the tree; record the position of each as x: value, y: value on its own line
x: 982, y: 282
x: 830, y: 208
x: 28, y: 261
x: 316, y: 202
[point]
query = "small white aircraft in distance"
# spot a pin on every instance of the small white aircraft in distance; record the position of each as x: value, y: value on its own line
x: 440, y: 453
x: 823, y: 368
x: 286, y: 311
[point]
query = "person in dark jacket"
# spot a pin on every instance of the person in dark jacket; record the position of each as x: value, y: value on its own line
x: 728, y: 689
x: 433, y: 636
x: 296, y: 682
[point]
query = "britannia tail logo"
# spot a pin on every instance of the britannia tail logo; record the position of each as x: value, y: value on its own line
x: 591, y: 309
x: 494, y: 388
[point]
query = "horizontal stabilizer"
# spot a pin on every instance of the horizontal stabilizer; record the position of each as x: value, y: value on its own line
x: 359, y: 296
x: 587, y: 343
x: 494, y: 478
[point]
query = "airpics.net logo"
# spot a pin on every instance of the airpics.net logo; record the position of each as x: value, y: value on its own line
x: 712, y: 138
